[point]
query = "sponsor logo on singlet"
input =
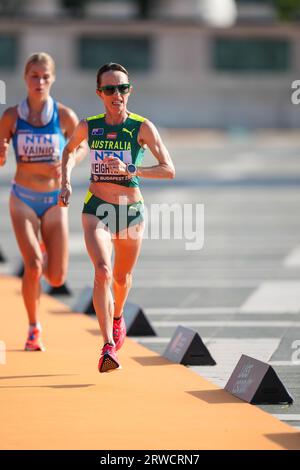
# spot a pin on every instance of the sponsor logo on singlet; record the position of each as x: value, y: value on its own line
x: 38, y: 147
x: 101, y: 170
x: 111, y: 135
x: 98, y: 131
x: 128, y: 131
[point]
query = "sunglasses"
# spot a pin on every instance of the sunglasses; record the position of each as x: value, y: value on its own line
x: 109, y: 90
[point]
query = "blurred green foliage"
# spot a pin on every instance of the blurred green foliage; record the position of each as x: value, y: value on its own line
x: 288, y: 10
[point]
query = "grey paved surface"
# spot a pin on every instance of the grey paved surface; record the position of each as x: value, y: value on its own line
x: 250, y: 186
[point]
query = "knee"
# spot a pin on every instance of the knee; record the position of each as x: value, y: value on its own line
x: 57, y: 279
x: 123, y: 279
x: 103, y: 273
x: 33, y: 268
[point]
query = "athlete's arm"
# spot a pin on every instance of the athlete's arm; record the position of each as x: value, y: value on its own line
x: 149, y: 136
x: 69, y: 161
x: 69, y: 122
x: 7, y: 123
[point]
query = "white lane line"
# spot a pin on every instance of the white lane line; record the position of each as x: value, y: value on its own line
x: 167, y: 339
x: 207, y: 341
x: 242, y: 164
x: 186, y: 283
x: 284, y: 363
x: 293, y: 259
x: 228, y: 351
x: 76, y: 244
x: 228, y: 324
x: 5, y: 269
x: 200, y: 311
x: 287, y: 417
x: 274, y: 297
x: 192, y: 311
x: 152, y: 340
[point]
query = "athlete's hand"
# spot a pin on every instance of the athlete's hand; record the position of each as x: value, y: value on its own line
x: 3, y: 151
x: 65, y: 195
x: 116, y: 165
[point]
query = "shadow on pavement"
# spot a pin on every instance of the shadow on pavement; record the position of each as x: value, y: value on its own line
x: 33, y: 376
x: 94, y: 332
x: 215, y: 396
x: 50, y: 386
x: 152, y: 361
x: 67, y: 311
x: 287, y: 441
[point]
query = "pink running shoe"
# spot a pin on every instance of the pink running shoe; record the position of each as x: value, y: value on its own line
x: 108, y: 359
x: 33, y: 342
x: 119, y: 332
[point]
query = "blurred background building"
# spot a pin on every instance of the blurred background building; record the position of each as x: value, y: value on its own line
x: 194, y: 63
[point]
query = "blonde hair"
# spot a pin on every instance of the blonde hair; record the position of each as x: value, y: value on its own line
x: 39, y: 58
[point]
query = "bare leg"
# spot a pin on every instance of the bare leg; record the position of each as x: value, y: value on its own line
x: 54, y: 229
x: 127, y: 250
x: 26, y: 227
x: 99, y: 247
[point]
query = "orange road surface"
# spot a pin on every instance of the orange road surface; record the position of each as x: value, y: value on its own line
x: 58, y: 400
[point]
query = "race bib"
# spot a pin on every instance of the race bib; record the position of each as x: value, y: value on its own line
x: 34, y: 148
x: 101, y: 171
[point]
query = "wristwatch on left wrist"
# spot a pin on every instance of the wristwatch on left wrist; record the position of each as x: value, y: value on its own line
x: 131, y: 169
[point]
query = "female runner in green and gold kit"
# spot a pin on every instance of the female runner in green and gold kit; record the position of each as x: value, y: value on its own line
x: 113, y: 212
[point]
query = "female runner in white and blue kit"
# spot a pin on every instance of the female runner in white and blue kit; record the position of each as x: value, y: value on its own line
x: 39, y: 128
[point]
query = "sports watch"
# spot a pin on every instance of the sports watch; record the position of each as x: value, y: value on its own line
x: 131, y: 169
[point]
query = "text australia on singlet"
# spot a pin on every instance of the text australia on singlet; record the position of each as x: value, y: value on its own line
x: 101, y: 149
x: 38, y: 147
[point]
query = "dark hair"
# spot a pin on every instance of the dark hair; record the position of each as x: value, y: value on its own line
x: 107, y: 68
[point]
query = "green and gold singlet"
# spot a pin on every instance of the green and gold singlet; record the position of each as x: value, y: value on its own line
x: 118, y: 141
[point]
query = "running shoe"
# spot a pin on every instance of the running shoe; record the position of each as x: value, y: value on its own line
x: 119, y: 332
x: 108, y: 359
x: 33, y: 342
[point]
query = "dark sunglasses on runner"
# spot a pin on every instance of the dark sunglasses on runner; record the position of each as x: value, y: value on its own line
x: 109, y: 90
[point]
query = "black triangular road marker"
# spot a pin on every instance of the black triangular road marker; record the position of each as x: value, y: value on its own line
x: 186, y: 347
x: 257, y: 382
x: 84, y: 302
x: 136, y: 321
x: 60, y: 290
x: 2, y: 257
x: 18, y: 269
x: 198, y: 354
